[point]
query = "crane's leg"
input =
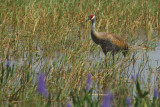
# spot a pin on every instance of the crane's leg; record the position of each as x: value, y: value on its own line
x: 106, y: 59
x: 113, y: 57
x: 105, y: 53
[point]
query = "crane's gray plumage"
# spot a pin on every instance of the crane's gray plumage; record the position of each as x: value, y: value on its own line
x: 107, y: 41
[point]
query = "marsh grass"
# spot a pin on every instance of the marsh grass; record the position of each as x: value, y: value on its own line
x: 52, y: 37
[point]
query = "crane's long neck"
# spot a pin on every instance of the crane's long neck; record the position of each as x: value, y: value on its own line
x: 94, y: 33
x: 93, y: 26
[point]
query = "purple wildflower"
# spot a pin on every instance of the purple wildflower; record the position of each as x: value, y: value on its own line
x: 137, y: 75
x: 107, y: 100
x: 68, y: 105
x: 88, y: 82
x: 133, y: 78
x: 129, y: 102
x: 41, y: 88
x: 156, y: 94
x: 8, y: 63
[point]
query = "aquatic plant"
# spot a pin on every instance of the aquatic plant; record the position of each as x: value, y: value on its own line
x: 129, y: 102
x: 41, y: 87
x: 107, y: 100
x: 88, y: 82
x: 156, y: 93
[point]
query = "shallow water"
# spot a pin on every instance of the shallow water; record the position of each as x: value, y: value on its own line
x: 147, y: 64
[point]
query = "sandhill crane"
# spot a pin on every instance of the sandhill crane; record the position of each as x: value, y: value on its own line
x: 107, y: 41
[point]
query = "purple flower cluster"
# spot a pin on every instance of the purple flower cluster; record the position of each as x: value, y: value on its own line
x: 156, y: 93
x: 41, y: 88
x: 107, y: 100
x: 129, y: 102
x: 68, y: 105
x: 8, y: 63
x: 133, y: 77
x: 137, y: 75
x: 88, y: 82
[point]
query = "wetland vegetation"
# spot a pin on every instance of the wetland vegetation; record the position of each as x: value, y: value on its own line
x: 47, y: 56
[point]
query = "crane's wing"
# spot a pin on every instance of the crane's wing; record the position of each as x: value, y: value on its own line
x: 114, y: 39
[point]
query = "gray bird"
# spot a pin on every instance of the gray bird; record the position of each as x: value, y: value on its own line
x: 107, y: 41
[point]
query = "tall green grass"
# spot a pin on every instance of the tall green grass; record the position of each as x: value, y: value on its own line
x: 53, y: 37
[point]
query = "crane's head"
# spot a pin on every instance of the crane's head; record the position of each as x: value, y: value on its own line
x: 91, y: 17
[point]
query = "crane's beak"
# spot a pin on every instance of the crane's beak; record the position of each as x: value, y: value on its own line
x: 87, y: 19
